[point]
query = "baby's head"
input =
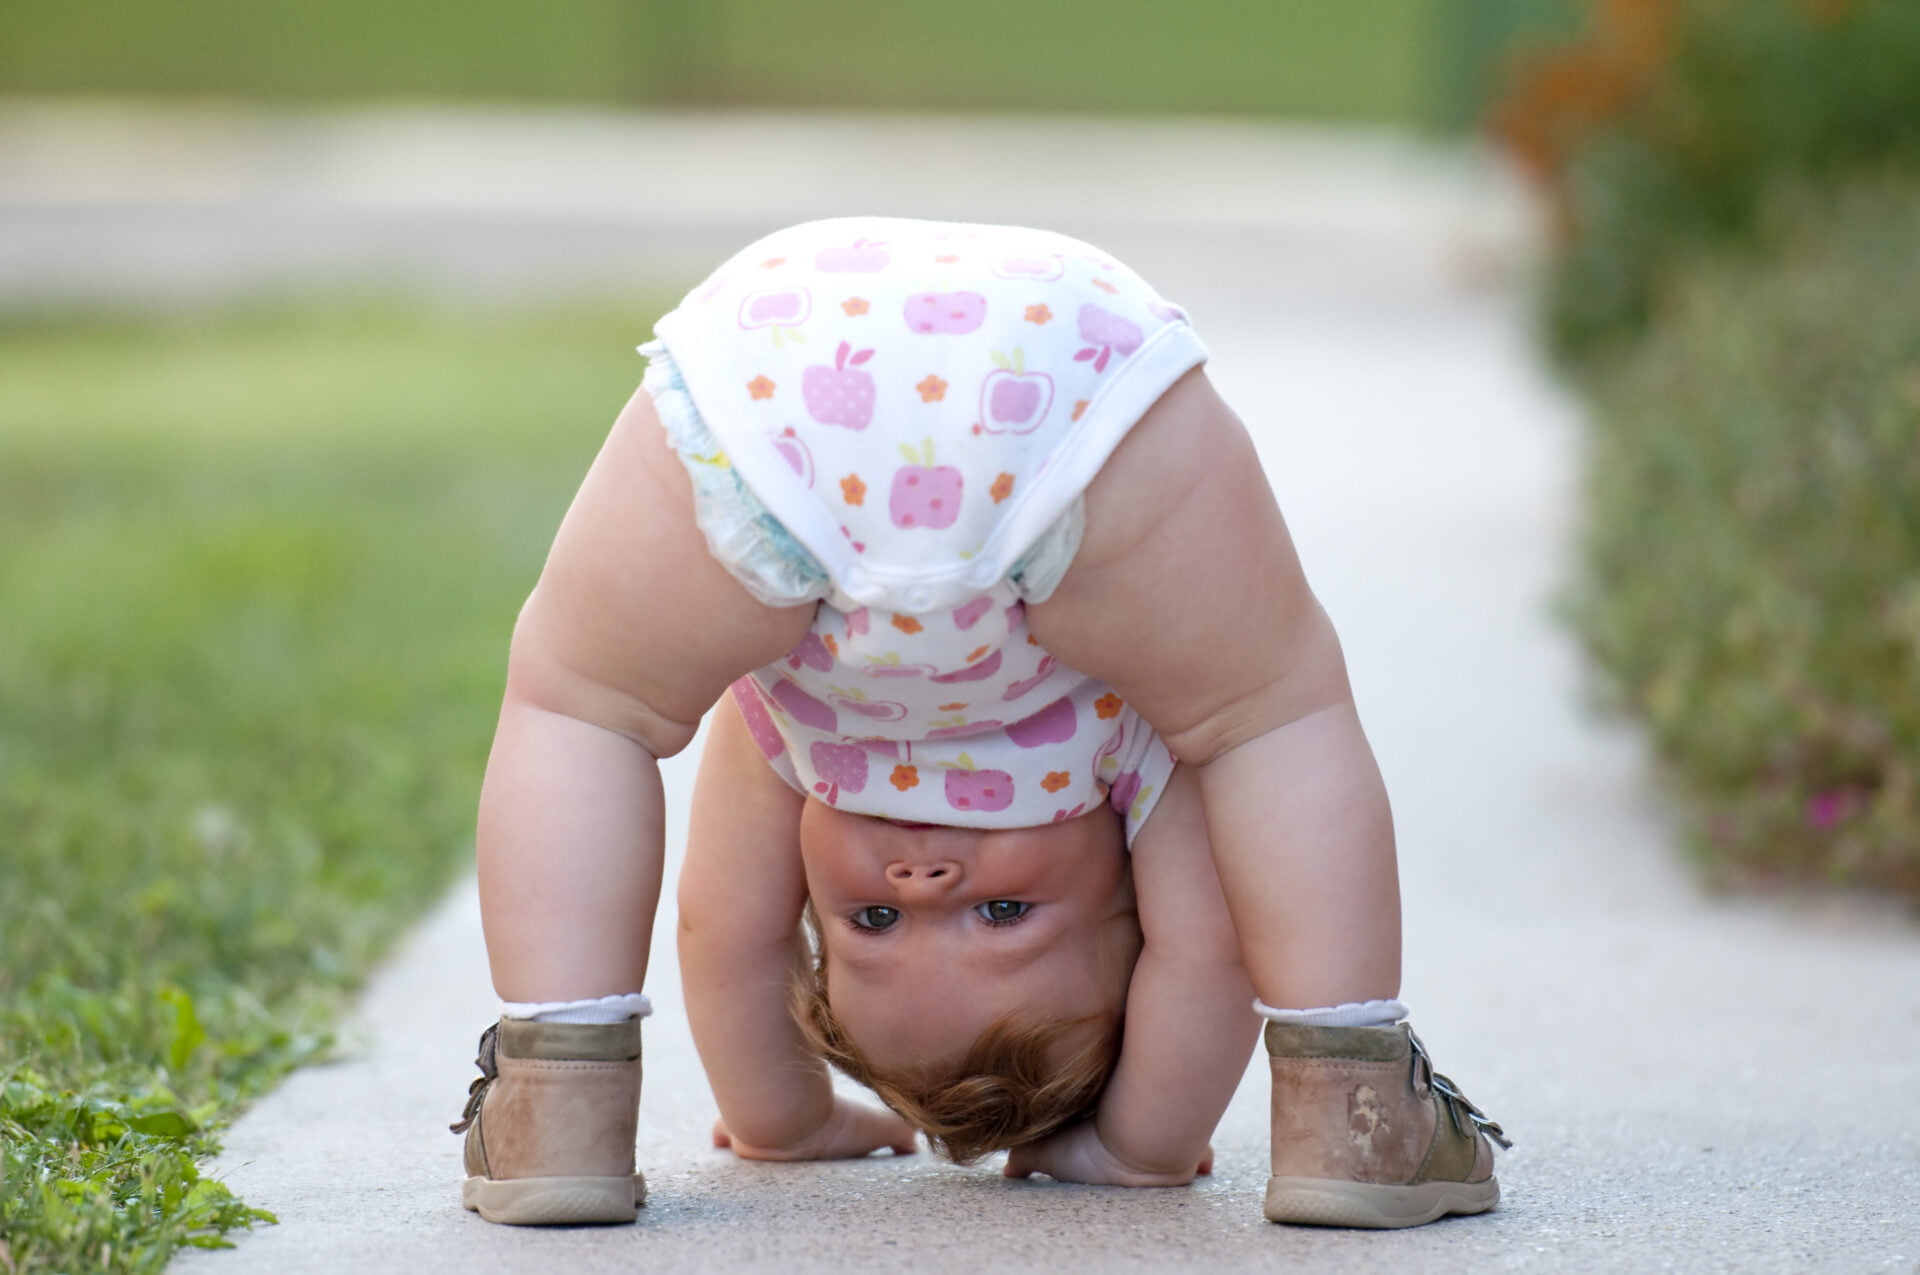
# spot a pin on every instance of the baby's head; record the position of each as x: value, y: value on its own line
x: 974, y: 978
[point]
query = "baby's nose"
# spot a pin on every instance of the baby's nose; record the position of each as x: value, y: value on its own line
x: 924, y: 878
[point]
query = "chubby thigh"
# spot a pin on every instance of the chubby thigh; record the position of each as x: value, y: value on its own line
x: 1186, y: 594
x: 633, y: 625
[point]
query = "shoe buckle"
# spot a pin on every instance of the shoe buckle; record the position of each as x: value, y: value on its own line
x: 489, y: 1072
x: 1459, y: 1106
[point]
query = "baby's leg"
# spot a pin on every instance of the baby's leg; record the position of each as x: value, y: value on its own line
x: 1186, y: 596
x: 631, y: 634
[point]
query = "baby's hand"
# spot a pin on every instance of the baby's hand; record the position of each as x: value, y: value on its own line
x: 853, y: 1130
x: 1076, y: 1154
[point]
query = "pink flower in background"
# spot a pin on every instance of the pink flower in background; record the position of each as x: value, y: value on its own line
x: 1833, y: 805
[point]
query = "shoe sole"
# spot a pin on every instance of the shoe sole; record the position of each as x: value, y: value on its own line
x: 1330, y: 1202
x: 554, y: 1201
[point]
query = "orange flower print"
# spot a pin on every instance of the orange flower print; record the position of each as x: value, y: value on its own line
x: 951, y: 708
x: 1002, y: 488
x: 833, y: 647
x: 905, y: 777
x: 948, y: 258
x: 1056, y: 780
x: 773, y: 263
x: 1079, y: 408
x: 760, y: 387
x: 855, y: 306
x: 1108, y: 705
x: 977, y: 653
x: 1104, y: 286
x: 932, y: 390
x: 852, y: 490
x: 1038, y: 314
x: 907, y: 624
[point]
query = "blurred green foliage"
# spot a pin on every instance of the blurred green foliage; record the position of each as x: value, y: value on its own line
x: 1753, y: 551
x: 1418, y: 62
x: 258, y: 579
x: 1738, y: 185
x: 1668, y: 129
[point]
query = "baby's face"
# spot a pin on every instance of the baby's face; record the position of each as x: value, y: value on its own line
x: 932, y: 933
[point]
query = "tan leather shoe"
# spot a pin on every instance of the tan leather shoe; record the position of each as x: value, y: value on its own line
x: 1366, y: 1133
x: 550, y: 1123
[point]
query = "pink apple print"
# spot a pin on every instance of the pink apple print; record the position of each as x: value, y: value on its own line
x: 841, y: 394
x: 1125, y: 789
x: 857, y: 622
x: 1025, y: 684
x: 811, y: 652
x: 897, y: 749
x: 793, y: 450
x: 1053, y: 724
x: 839, y: 766
x: 865, y: 257
x: 805, y: 709
x: 880, y: 710
x: 973, y: 672
x: 759, y: 722
x: 782, y: 309
x: 1061, y: 816
x: 954, y: 313
x: 1163, y: 310
x: 924, y: 495
x: 1106, y: 332
x: 982, y: 790
x: 969, y: 615
x: 1031, y: 269
x: 1012, y: 399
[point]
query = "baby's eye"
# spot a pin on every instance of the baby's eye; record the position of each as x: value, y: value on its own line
x: 875, y: 918
x: 1002, y: 911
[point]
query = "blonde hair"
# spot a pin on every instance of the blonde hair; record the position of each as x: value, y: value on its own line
x: 1007, y: 1090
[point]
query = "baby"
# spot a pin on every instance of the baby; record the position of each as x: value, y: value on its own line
x: 958, y: 517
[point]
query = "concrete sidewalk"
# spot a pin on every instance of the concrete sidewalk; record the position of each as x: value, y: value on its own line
x: 1692, y: 1084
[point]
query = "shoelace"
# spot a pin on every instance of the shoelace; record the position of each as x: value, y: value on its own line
x: 489, y: 1072
x: 1459, y: 1107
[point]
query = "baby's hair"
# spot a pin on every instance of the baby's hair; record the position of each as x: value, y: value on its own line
x: 1006, y: 1091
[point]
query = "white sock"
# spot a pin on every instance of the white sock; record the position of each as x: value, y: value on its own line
x: 603, y: 1009
x: 1355, y: 1014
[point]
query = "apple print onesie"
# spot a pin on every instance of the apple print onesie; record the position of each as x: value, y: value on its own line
x: 899, y: 419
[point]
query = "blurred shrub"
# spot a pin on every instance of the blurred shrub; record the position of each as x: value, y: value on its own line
x: 1736, y: 187
x: 1665, y: 126
x: 1752, y: 577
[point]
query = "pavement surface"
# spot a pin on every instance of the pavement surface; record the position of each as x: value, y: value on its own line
x: 1693, y: 1083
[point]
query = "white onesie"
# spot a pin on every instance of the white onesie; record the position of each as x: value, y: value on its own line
x: 899, y: 418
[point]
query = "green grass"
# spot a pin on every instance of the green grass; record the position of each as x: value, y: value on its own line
x: 257, y: 581
x: 1410, y: 62
x: 1753, y: 559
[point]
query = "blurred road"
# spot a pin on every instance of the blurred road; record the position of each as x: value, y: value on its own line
x: 1692, y: 1083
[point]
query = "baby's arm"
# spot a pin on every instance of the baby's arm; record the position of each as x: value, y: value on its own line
x: 1188, y: 1033
x: 741, y: 892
